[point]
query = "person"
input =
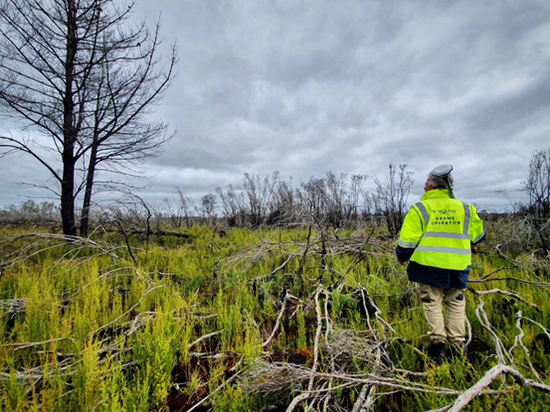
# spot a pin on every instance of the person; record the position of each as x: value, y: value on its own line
x: 438, y: 236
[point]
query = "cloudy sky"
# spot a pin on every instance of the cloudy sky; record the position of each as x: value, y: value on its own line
x: 306, y: 87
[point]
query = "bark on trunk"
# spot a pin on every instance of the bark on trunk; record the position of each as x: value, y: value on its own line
x: 67, y: 194
x: 85, y: 217
x: 69, y: 132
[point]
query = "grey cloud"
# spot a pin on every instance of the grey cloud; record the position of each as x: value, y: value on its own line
x: 350, y: 86
x: 23, y: 178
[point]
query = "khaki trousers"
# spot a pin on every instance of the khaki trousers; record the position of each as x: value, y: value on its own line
x: 451, y: 328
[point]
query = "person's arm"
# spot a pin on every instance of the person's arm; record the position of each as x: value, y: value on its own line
x: 477, y: 233
x: 410, y: 235
x: 403, y: 254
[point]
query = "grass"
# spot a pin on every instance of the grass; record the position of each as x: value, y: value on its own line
x: 189, y: 321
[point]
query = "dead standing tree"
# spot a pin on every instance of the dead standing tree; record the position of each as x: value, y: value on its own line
x: 73, y: 71
x: 391, y: 197
x: 259, y: 193
x: 537, y: 187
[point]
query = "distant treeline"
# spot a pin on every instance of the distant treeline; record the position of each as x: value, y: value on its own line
x: 338, y: 201
x: 332, y: 201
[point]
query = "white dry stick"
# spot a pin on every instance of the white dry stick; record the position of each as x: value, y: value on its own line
x: 300, y: 398
x: 378, y: 312
x: 542, y: 285
x: 15, y: 305
x: 366, y: 309
x: 328, y: 320
x: 20, y: 376
x: 203, y: 338
x: 314, y: 400
x: 317, y: 338
x: 502, y: 255
x: 276, y: 269
x: 469, y: 340
x: 465, y: 398
x: 278, y: 322
x: 109, y: 274
x: 76, y: 240
x: 368, y: 404
x: 519, y: 337
x: 328, y: 397
x: 546, y: 332
x: 499, y: 346
x: 207, y: 397
x: 398, y: 384
x: 128, y: 311
x: 519, y: 341
x: 136, y: 323
x: 305, y: 395
x: 365, y: 401
x: 505, y: 293
x: 20, y: 346
x: 328, y: 331
x: 358, y: 405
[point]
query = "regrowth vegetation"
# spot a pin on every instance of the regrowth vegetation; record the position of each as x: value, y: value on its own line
x: 272, y: 319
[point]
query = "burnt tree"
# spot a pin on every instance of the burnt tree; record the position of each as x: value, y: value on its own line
x: 78, y: 73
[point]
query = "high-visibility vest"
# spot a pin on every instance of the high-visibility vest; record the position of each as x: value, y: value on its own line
x: 441, y: 230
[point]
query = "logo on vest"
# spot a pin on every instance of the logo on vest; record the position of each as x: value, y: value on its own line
x: 445, y: 217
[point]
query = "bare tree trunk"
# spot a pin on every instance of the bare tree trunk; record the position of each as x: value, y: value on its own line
x: 71, y: 71
x: 67, y: 194
x: 85, y: 217
x: 69, y: 135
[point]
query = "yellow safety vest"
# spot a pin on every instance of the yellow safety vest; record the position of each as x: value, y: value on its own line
x: 441, y: 230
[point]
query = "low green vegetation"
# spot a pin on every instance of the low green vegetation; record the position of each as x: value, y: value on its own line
x: 251, y: 320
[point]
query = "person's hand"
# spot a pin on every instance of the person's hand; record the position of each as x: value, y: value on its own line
x: 474, y: 249
x: 401, y: 263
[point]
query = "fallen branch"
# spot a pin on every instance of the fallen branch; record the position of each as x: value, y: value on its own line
x: 317, y: 336
x: 377, y: 311
x: 137, y: 321
x: 476, y: 390
x: 20, y: 346
x: 64, y: 240
x: 519, y: 341
x: 491, y: 274
x: 364, y: 400
x: 288, y: 296
x: 203, y: 338
x: 276, y: 269
x: 526, y: 282
x: 499, y: 346
x: 207, y: 397
x: 546, y: 332
x: 505, y: 293
x: 127, y: 312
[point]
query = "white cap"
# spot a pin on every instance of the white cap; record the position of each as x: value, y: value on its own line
x: 441, y: 171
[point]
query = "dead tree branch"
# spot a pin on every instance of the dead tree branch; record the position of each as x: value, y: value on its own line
x: 505, y: 293
x: 465, y: 398
x: 127, y: 312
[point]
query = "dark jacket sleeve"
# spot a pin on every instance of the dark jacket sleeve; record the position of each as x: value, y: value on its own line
x: 404, y: 253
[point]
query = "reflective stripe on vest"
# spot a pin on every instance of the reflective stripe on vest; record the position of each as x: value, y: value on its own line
x: 479, y: 237
x: 466, y: 217
x: 448, y: 235
x: 407, y: 244
x: 424, y: 213
x: 442, y: 249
